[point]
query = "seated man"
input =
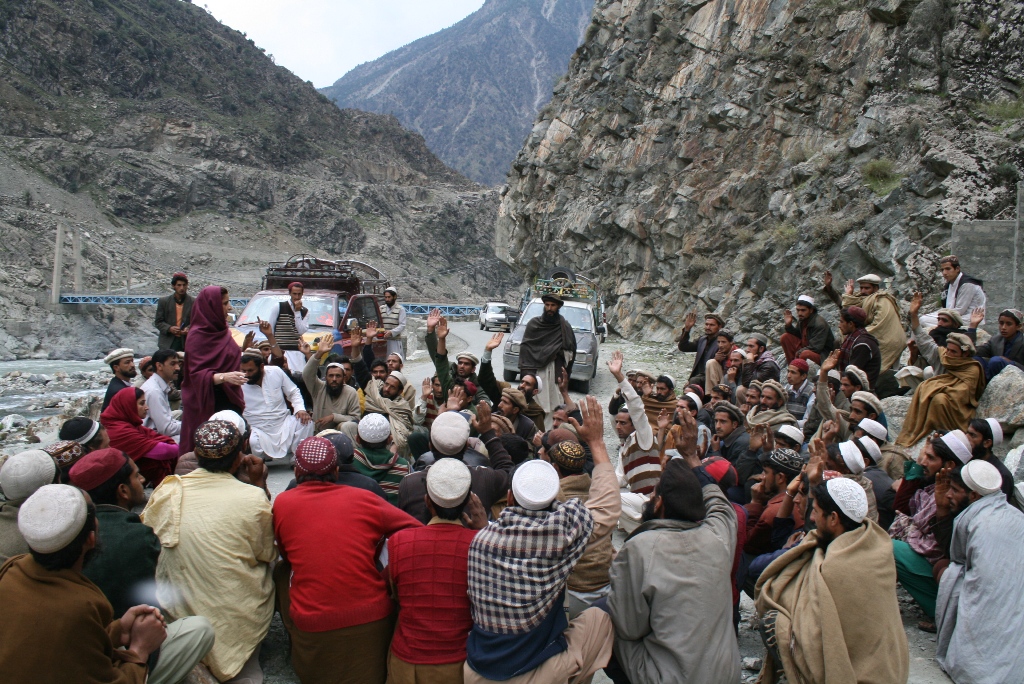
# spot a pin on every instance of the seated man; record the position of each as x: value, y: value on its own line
x: 334, y: 402
x: 854, y: 385
x: 436, y: 341
x: 715, y: 368
x: 79, y: 640
x: 837, y: 587
x: 771, y: 410
x: 396, y: 362
x: 961, y: 292
x: 881, y: 483
x: 334, y: 602
x: 217, y: 536
x: 529, y: 384
x: 950, y: 321
x: 347, y: 473
x: 20, y: 476
x: 760, y: 363
x: 859, y: 347
x: 166, y: 366
x: 893, y: 457
x: 847, y: 459
x: 915, y: 546
x: 86, y: 431
x: 948, y: 400
x: 662, y: 397
x: 1005, y: 349
x: 978, y: 596
x: 122, y: 365
x: 671, y: 597
x: 374, y: 457
x: 985, y: 434
x: 639, y: 465
x: 809, y: 336
x: 383, y: 392
x: 706, y: 346
x: 780, y: 467
x: 124, y: 566
x: 276, y: 430
x: 518, y: 569
x: 427, y: 574
x: 882, y: 314
x: 798, y: 388
x: 513, y: 406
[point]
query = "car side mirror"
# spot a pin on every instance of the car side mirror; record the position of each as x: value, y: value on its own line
x: 602, y: 330
x: 351, y: 323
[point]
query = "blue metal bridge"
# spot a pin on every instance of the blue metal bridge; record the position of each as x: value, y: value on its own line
x: 411, y: 308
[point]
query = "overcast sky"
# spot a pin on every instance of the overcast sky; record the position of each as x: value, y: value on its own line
x: 319, y: 40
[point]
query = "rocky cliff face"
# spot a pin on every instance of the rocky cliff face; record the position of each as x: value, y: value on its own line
x: 721, y: 154
x: 173, y: 143
x: 472, y: 89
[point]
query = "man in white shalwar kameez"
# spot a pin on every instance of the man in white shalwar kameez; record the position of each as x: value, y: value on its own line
x: 276, y: 430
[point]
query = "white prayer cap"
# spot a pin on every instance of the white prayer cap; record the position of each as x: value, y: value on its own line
x: 834, y: 374
x: 400, y: 357
x: 850, y: 497
x: 982, y: 477
x: 118, y: 354
x: 959, y: 443
x: 805, y: 299
x: 535, y: 485
x: 374, y: 428
x: 448, y: 482
x: 398, y: 376
x: 52, y: 517
x: 872, y: 448
x: 997, y: 431
x: 696, y: 400
x: 231, y: 417
x: 874, y: 428
x: 852, y: 457
x: 448, y: 433
x: 24, y: 473
x: 391, y: 290
x: 870, y: 278
x: 792, y: 432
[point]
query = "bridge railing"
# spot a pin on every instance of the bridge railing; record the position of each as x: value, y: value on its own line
x: 411, y: 308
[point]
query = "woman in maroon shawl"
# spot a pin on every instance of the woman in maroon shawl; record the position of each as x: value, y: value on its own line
x: 212, y: 378
x: 155, y: 454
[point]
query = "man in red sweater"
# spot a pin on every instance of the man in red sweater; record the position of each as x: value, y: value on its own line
x: 427, y: 573
x: 333, y: 601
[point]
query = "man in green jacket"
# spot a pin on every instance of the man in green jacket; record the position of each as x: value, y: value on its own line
x: 124, y: 568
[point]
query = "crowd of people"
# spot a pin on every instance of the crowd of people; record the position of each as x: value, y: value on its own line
x: 465, y: 530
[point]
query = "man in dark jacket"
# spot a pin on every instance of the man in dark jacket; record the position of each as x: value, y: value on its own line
x: 173, y: 314
x: 859, y: 348
x: 1004, y: 349
x: 760, y: 363
x: 808, y: 336
x: 704, y: 346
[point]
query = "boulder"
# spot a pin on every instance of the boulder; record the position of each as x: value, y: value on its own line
x: 895, y: 409
x: 1010, y: 442
x: 13, y: 421
x: 1002, y: 399
x: 1014, y: 464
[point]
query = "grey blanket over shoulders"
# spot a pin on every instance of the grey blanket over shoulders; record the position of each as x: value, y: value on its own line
x: 980, y: 600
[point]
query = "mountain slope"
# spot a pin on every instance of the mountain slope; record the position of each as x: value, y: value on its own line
x: 472, y: 89
x: 173, y: 142
x: 721, y: 154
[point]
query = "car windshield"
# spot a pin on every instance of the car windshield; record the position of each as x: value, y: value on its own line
x: 579, y: 318
x: 321, y: 309
x: 497, y: 308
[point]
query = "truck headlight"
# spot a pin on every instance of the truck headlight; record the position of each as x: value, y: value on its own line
x: 584, y: 358
x: 513, y: 348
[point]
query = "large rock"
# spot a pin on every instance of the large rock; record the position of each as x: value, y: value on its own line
x: 1002, y: 399
x: 1010, y: 442
x: 1015, y: 464
x: 895, y: 409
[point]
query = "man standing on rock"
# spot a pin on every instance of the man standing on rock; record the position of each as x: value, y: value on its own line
x: 547, y: 350
x: 883, y: 314
x: 705, y: 346
x: 173, y: 314
x: 962, y: 293
x: 393, y: 315
x: 122, y: 364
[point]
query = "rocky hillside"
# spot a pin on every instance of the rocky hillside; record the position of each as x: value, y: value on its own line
x: 173, y: 142
x: 721, y: 154
x: 473, y: 89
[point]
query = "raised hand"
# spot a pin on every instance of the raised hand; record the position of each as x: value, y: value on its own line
x: 829, y: 431
x: 442, y: 328
x: 849, y: 287
x: 591, y: 430
x: 787, y: 316
x: 816, y: 464
x: 831, y: 362
x: 247, y: 342
x: 355, y: 336
x: 482, y: 422
x: 428, y: 388
x: 977, y: 316
x: 915, y: 304
x: 664, y: 420
x: 562, y: 380
x: 265, y: 327
x: 457, y: 397
x: 325, y: 343
x: 827, y: 280
x: 474, y: 516
x: 494, y: 342
x: 615, y: 365
x: 433, y: 318
x: 691, y: 319
x: 942, y: 481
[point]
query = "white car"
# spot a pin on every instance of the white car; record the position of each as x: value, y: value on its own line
x: 496, y: 315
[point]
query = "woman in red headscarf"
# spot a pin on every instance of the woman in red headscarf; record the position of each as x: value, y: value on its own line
x: 212, y: 380
x: 155, y: 454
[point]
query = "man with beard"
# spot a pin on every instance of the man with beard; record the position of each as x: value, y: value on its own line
x: 464, y: 368
x: 659, y: 397
x: 547, y: 350
x: 705, y: 346
x: 760, y: 364
x: 334, y: 402
x: 393, y: 315
x: 828, y: 606
x: 854, y: 386
x: 158, y: 387
x: 809, y: 337
x: 124, y: 567
x: 382, y: 391
x: 122, y: 365
x: 529, y: 385
x: 780, y: 467
x: 268, y: 392
x: 882, y: 314
x: 859, y: 347
x: 639, y: 464
x: 80, y: 641
x: 671, y: 598
x: 771, y: 409
x: 173, y: 313
x: 513, y: 406
x: 985, y: 434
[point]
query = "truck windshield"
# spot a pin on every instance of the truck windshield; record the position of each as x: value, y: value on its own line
x: 579, y: 318
x: 321, y: 309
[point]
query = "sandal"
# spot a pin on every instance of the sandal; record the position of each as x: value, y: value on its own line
x: 926, y: 626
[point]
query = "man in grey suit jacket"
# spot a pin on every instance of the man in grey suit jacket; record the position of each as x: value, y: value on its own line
x: 173, y: 314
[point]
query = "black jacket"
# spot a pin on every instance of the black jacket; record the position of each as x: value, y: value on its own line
x: 820, y: 338
x: 705, y: 347
x: 166, y: 317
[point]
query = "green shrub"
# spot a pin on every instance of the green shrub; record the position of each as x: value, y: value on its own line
x: 1006, y: 174
x: 1004, y: 110
x: 784, y: 235
x: 881, y: 176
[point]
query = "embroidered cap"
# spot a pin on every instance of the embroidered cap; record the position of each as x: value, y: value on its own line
x: 374, y: 428
x: 315, y: 456
x: 850, y: 498
x: 216, y: 439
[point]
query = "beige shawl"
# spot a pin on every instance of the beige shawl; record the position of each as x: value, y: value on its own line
x: 883, y: 322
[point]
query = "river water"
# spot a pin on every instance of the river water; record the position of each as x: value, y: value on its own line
x: 20, y: 402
